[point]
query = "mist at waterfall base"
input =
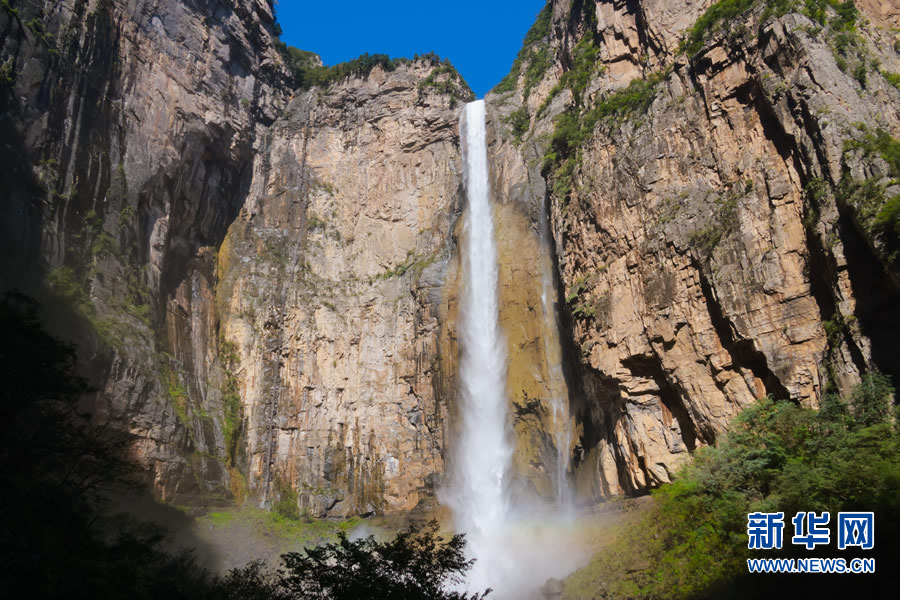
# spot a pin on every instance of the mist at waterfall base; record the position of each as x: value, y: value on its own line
x: 517, y: 545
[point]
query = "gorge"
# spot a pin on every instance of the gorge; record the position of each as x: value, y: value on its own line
x: 317, y: 288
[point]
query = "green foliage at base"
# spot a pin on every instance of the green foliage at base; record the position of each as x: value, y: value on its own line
x: 416, y: 565
x: 776, y: 457
x: 281, y: 534
x: 287, y: 505
x: 58, y: 536
x: 233, y: 415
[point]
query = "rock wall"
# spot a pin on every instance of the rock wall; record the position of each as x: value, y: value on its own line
x: 707, y: 252
x: 129, y: 129
x: 263, y: 282
x: 330, y: 288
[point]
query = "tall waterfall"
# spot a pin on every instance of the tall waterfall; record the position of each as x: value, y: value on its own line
x: 483, y: 453
x: 485, y: 444
x: 516, y: 548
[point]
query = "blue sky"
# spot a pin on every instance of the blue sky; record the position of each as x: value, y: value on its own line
x: 481, y: 38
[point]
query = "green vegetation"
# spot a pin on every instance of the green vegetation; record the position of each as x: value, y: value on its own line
x: 877, y: 214
x: 574, y: 128
x: 176, y: 392
x: 584, y: 67
x: 445, y: 79
x: 534, y: 52
x: 94, y: 248
x: 287, y: 505
x: 65, y: 285
x: 723, y: 221
x: 815, y: 191
x: 232, y: 419
x: 12, y: 12
x: 308, y: 71
x: 716, y: 15
x: 416, y: 565
x: 36, y: 26
x: 288, y: 534
x: 519, y: 121
x: 724, y: 12
x: 892, y: 78
x: 776, y: 457
x: 7, y: 73
x: 578, y: 286
x: 313, y: 222
x: 538, y: 63
x: 414, y: 263
x: 838, y: 19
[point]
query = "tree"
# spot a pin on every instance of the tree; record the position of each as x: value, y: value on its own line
x: 416, y: 565
x: 871, y: 399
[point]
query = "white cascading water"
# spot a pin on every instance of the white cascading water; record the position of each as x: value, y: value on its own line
x: 483, y: 453
x: 516, y: 548
x: 485, y: 445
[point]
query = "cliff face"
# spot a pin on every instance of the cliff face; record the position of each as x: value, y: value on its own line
x: 712, y: 238
x: 264, y: 283
x: 254, y: 279
x: 129, y: 129
x: 330, y: 290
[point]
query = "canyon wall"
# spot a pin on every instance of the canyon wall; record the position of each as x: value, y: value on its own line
x: 713, y: 242
x: 263, y: 279
x: 129, y: 131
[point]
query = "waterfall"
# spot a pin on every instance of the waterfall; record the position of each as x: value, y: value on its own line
x: 516, y: 548
x: 482, y: 464
x: 485, y: 444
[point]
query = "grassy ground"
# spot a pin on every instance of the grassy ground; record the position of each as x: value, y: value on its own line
x: 610, y: 535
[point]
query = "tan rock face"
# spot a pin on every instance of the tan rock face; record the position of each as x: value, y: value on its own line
x: 330, y: 288
x: 695, y: 279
